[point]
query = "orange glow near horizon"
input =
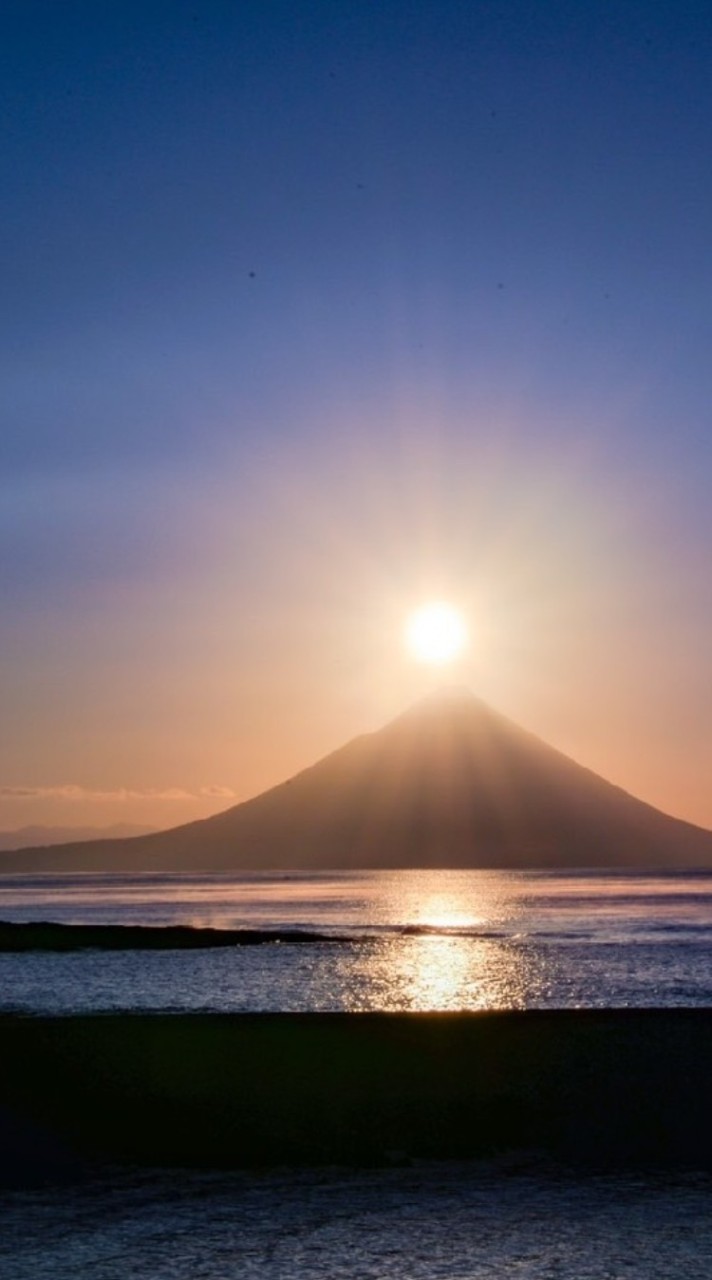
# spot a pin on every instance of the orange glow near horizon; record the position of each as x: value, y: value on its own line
x: 275, y: 633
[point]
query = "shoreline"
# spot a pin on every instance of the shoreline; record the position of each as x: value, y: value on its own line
x: 591, y: 1087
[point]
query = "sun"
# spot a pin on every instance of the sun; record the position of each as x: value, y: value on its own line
x: 436, y: 633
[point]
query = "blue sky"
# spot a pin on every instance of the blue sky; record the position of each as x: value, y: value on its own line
x: 310, y: 310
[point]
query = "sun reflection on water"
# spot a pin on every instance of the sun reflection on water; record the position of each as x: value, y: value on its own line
x: 457, y: 966
x: 441, y: 972
x: 446, y: 911
x: 445, y: 900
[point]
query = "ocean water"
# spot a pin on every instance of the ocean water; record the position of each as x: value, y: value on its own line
x: 387, y: 940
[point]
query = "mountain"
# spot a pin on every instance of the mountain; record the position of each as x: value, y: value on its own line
x: 449, y: 783
x: 39, y: 835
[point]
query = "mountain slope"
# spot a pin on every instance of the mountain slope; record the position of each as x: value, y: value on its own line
x: 450, y: 783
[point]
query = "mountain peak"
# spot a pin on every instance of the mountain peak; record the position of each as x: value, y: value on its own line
x: 451, y: 712
x: 447, y: 695
x: 443, y: 700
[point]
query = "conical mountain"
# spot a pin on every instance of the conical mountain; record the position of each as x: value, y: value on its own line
x: 450, y: 783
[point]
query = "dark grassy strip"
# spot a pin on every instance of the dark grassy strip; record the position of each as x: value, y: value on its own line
x: 48, y: 936
x: 600, y: 1087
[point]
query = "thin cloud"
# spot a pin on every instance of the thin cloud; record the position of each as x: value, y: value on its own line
x: 73, y: 792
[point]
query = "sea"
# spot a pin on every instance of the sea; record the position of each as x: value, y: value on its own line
x: 355, y: 941
x: 413, y: 940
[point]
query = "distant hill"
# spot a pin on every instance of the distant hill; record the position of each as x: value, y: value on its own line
x: 36, y: 835
x: 449, y: 783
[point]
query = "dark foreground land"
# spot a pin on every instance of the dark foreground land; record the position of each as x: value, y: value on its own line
x: 616, y: 1087
x: 49, y: 936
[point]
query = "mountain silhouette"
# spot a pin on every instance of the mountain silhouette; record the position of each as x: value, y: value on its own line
x: 449, y: 783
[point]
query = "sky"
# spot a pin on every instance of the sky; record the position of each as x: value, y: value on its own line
x: 311, y: 313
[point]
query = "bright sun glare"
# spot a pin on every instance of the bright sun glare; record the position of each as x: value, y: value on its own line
x: 436, y: 633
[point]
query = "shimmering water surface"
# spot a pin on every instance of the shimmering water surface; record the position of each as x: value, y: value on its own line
x: 396, y: 940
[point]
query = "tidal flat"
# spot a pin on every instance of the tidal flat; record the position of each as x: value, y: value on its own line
x: 465, y: 1221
